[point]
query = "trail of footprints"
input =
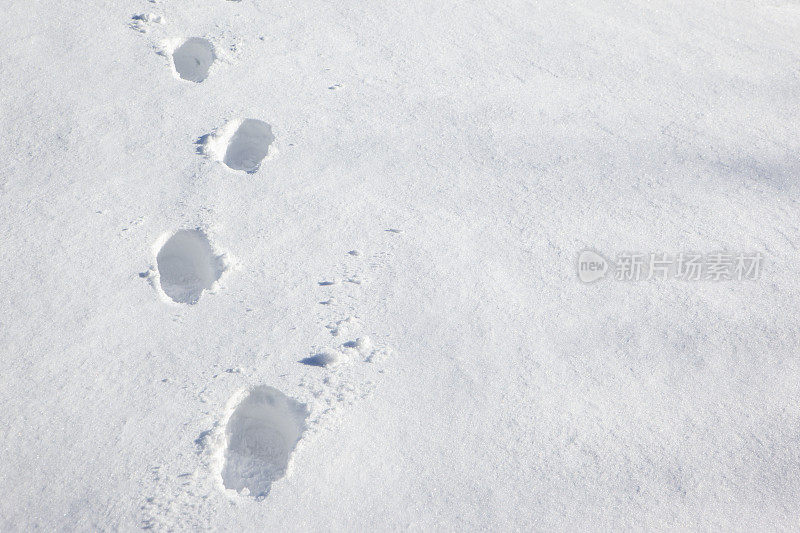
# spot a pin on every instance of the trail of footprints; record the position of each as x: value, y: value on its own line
x: 251, y: 444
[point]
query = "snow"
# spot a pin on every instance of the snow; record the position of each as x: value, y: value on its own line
x: 240, y: 144
x: 469, y: 152
x: 259, y: 438
x: 324, y: 357
x: 193, y: 59
x: 188, y: 266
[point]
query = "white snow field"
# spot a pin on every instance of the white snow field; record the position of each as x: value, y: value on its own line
x: 311, y: 266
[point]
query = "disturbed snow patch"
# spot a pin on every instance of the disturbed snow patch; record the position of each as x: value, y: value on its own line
x: 141, y: 21
x: 240, y: 144
x: 187, y: 265
x: 324, y: 357
x: 260, y: 436
x: 193, y: 59
x: 361, y: 348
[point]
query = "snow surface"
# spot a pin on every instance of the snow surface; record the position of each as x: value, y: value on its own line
x: 467, y: 151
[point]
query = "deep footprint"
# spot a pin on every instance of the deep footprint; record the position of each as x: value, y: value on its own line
x: 193, y: 59
x: 249, y: 145
x: 187, y: 266
x: 261, y: 435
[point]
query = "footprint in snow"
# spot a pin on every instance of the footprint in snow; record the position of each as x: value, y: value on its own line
x: 240, y: 144
x: 260, y: 436
x: 193, y: 59
x: 187, y: 265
